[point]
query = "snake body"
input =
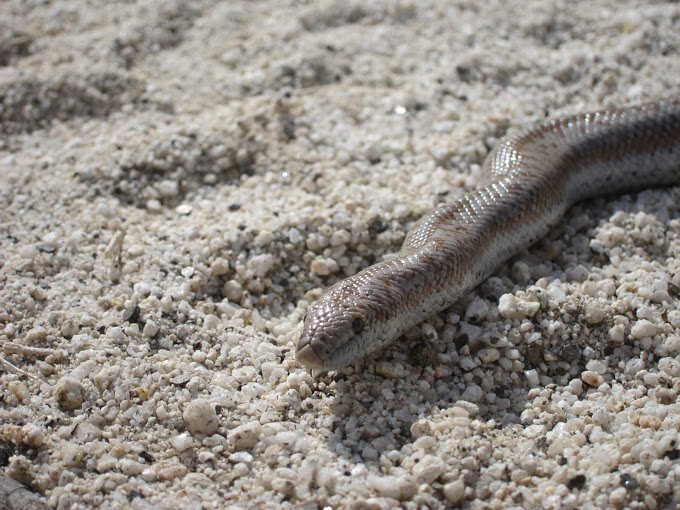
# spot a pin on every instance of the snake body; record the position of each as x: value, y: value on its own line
x: 535, y: 176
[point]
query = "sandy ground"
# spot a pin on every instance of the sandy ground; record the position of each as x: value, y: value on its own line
x: 179, y: 180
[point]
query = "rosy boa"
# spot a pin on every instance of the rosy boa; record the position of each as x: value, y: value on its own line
x: 535, y: 177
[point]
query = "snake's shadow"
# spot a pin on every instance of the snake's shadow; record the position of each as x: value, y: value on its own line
x: 416, y: 389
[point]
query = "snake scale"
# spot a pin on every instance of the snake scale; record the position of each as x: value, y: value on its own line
x: 535, y: 176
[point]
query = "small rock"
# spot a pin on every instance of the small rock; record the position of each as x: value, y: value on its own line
x: 528, y: 308
x: 21, y: 469
x: 72, y: 455
x: 399, y: 488
x: 200, y: 417
x: 488, y: 355
x: 69, y: 328
x: 592, y: 378
x: 643, y: 328
x: 19, y: 390
x: 182, y: 442
x: 232, y: 290
x: 261, y: 264
x: 130, y: 467
x: 150, y: 329
x: 245, y: 436
x: 507, y: 306
x: 472, y: 393
x: 324, y: 267
x: 168, y: 188
x: 454, y: 492
x: 241, y: 457
x: 429, y: 468
x: 294, y: 236
x: 69, y: 394
x: 649, y: 422
x: 389, y: 370
x: 594, y: 313
x: 130, y: 314
x: 33, y: 435
x: 219, y: 267
x: 532, y: 378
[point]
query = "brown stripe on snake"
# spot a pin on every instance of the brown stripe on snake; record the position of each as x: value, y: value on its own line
x: 534, y: 178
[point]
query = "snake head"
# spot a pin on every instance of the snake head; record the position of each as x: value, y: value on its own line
x: 338, y: 328
x: 360, y: 315
x: 331, y: 335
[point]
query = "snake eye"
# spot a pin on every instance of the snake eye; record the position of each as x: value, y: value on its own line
x: 357, y: 325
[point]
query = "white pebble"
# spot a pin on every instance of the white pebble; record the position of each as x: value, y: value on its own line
x: 150, y: 329
x: 454, y: 492
x: 130, y: 467
x: 69, y: 394
x: 600, y: 415
x: 245, y: 436
x: 286, y: 437
x: 69, y: 328
x: 528, y: 308
x: 340, y: 238
x: 182, y: 442
x: 19, y: 390
x: 324, y: 266
x: 507, y: 306
x: 617, y: 334
x: 261, y: 264
x: 532, y: 378
x: 643, y: 328
x: 618, y: 497
x: 142, y: 288
x: 488, y: 355
x: 672, y: 345
x: 597, y: 365
x: 670, y: 366
x: 473, y: 332
x: 534, y: 431
x: 28, y: 251
x: 556, y: 292
x: 200, y: 417
x: 168, y: 188
x: 429, y: 468
x: 294, y: 236
x: 472, y: 393
x: 219, y: 267
x: 592, y: 378
x: 594, y: 313
x: 232, y: 290
x: 238, y: 457
x: 33, y: 435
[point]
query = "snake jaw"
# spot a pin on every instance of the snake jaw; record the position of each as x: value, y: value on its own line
x: 307, y: 356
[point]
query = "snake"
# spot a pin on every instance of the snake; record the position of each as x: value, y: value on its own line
x: 534, y: 176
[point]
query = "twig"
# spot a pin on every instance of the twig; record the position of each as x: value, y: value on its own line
x: 25, y: 350
x: 23, y: 372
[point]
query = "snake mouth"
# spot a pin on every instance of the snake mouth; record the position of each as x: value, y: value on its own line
x: 307, y: 356
x: 315, y: 353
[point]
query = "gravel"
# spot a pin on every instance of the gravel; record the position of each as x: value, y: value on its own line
x: 178, y: 184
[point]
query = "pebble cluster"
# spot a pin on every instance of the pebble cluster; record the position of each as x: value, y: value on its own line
x: 176, y: 189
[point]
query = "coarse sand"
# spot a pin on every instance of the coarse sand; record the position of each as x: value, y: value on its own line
x: 180, y: 180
